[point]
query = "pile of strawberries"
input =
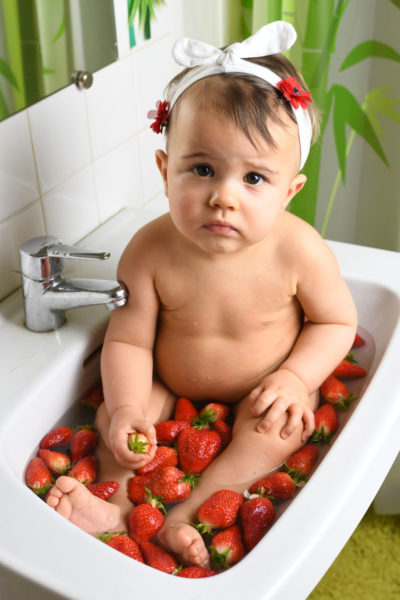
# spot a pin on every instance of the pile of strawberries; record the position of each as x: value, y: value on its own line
x: 231, y: 523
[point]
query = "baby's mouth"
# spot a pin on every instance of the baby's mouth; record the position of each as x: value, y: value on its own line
x: 220, y: 227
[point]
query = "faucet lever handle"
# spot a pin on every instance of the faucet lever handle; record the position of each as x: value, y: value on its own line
x: 60, y: 250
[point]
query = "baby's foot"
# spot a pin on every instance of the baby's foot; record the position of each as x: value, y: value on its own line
x: 185, y: 541
x: 72, y: 500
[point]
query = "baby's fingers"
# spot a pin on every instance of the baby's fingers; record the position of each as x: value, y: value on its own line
x: 274, y: 413
x: 262, y: 401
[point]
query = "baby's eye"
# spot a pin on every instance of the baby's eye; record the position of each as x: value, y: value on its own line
x: 202, y: 170
x: 254, y: 178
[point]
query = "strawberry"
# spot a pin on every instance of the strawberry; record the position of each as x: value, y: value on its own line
x: 299, y: 464
x: 217, y: 410
x: 257, y: 515
x: 335, y: 391
x: 138, y: 443
x: 171, y: 484
x: 82, y: 443
x: 84, y: 470
x: 164, y: 457
x: 145, y: 520
x: 38, y: 476
x: 137, y: 488
x: 358, y: 341
x: 277, y: 485
x: 219, y: 511
x: 349, y: 368
x: 158, y: 558
x: 94, y: 398
x: 168, y: 431
x: 185, y: 410
x: 103, y: 489
x: 57, y: 437
x: 326, y: 423
x: 196, y: 572
x: 56, y: 461
x: 225, y: 431
x: 197, y: 447
x: 227, y: 547
x: 123, y: 543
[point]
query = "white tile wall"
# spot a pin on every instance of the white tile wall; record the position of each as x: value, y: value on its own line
x: 71, y: 161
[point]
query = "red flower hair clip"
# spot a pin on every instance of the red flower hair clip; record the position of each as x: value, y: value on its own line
x: 293, y: 92
x: 160, y: 115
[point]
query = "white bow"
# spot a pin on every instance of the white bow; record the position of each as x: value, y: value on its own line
x: 270, y: 39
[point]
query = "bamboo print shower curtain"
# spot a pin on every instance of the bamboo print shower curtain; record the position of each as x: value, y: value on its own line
x: 317, y: 23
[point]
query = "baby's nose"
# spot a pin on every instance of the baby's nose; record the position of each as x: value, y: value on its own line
x: 224, y: 196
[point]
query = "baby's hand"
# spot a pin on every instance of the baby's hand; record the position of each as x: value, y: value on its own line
x: 124, y: 422
x: 278, y: 393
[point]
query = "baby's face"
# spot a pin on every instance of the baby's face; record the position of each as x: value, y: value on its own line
x: 226, y: 194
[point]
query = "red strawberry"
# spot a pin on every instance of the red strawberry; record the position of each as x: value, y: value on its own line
x: 84, y: 470
x: 185, y: 410
x: 171, y: 484
x: 257, y: 515
x: 299, y: 464
x: 227, y: 547
x: 335, y: 391
x: 38, y: 476
x: 168, y: 431
x: 219, y: 511
x: 225, y: 431
x: 196, y: 572
x: 123, y: 543
x: 217, y: 410
x: 138, y: 443
x: 145, y: 520
x: 197, y: 448
x: 358, y: 341
x: 57, y: 437
x: 94, y: 398
x: 277, y: 485
x: 326, y: 423
x: 349, y: 368
x: 158, y: 558
x: 103, y: 489
x: 56, y: 461
x: 82, y: 443
x: 137, y: 488
x: 164, y: 457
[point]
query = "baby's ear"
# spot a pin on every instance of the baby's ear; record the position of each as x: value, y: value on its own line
x: 297, y: 184
x: 162, y: 163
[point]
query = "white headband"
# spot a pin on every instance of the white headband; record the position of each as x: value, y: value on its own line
x: 205, y: 60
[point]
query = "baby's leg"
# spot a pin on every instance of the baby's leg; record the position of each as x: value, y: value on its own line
x: 72, y: 500
x: 249, y: 457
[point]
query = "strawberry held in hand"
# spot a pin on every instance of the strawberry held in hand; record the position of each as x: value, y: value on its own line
x: 257, y: 515
x: 219, y: 511
x: 326, y: 423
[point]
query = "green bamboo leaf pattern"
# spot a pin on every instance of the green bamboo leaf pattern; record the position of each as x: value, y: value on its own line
x: 396, y: 3
x: 383, y: 104
x: 145, y: 9
x: 369, y: 49
x: 347, y: 111
x: 60, y: 31
x: 8, y: 74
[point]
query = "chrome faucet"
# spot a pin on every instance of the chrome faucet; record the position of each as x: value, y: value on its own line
x: 48, y: 293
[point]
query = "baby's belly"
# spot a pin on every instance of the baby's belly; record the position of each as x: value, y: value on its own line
x: 223, y: 369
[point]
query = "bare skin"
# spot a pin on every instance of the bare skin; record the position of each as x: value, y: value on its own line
x: 218, y: 289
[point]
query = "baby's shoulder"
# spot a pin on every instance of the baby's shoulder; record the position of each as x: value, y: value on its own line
x: 148, y: 244
x: 300, y: 242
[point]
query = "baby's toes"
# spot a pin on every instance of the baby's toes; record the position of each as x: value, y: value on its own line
x: 197, y: 554
x: 53, y: 497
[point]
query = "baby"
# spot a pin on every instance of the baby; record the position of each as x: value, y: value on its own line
x: 219, y: 286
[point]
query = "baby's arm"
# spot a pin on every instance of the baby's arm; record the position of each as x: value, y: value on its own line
x: 127, y: 356
x: 322, y: 343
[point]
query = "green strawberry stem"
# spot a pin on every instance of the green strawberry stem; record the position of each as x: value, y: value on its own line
x: 344, y: 404
x: 191, y: 478
x: 203, y: 421
x: 220, y: 558
x: 320, y: 437
x: 108, y: 535
x: 137, y: 446
x: 155, y: 501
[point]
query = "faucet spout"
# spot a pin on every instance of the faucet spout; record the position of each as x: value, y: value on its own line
x: 48, y: 294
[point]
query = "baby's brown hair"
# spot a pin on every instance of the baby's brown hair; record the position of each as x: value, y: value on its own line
x: 246, y: 100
